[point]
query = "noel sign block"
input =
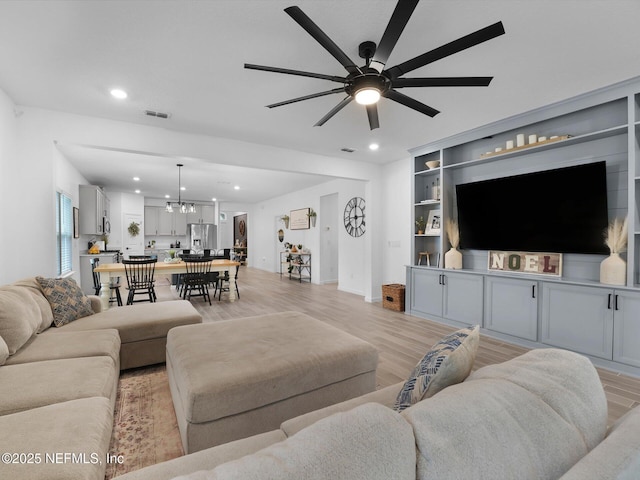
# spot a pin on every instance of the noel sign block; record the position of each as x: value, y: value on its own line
x: 537, y: 263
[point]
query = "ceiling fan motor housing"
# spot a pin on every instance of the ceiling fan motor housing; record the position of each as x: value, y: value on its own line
x: 369, y: 79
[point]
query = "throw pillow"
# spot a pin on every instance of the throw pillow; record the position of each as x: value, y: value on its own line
x: 4, y: 351
x: 68, y: 302
x: 448, y: 362
x: 19, y: 316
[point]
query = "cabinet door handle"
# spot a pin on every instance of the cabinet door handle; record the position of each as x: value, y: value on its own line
x: 444, y: 279
x: 616, y: 303
x: 609, y: 302
x: 533, y: 291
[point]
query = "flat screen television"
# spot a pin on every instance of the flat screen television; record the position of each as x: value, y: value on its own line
x: 561, y: 210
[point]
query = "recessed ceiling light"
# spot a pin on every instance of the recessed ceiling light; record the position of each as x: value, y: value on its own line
x: 183, y: 188
x: 167, y: 196
x: 374, y: 146
x: 213, y: 199
x: 137, y: 191
x: 236, y: 187
x: 118, y: 93
x: 136, y: 179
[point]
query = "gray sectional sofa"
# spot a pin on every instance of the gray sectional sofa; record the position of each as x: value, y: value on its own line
x: 542, y: 415
x: 58, y: 384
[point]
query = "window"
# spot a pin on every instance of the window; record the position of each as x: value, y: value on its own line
x: 64, y: 232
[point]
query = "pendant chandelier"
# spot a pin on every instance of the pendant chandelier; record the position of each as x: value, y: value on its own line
x: 180, y: 206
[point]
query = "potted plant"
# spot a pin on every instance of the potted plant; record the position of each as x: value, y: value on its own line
x: 421, y: 224
x: 312, y: 216
x: 285, y: 219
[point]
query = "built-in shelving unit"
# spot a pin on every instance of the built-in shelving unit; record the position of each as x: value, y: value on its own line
x: 603, y: 125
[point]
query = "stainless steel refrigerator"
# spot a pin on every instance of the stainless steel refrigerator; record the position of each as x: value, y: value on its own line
x: 202, y: 236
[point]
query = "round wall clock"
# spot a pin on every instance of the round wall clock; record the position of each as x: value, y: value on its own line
x: 354, y: 217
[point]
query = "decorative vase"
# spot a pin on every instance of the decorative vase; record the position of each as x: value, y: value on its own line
x: 453, y: 259
x: 613, y: 270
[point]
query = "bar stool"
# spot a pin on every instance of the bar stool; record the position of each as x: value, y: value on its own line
x: 424, y: 255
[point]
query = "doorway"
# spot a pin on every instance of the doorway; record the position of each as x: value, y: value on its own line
x: 329, y: 252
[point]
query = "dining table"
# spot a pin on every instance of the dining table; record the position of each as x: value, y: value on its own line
x: 108, y: 271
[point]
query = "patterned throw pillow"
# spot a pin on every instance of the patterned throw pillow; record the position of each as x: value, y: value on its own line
x: 67, y: 300
x: 448, y: 362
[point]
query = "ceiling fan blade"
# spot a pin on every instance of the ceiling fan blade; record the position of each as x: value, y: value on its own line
x: 411, y: 103
x: 306, y: 97
x: 468, y: 41
x: 301, y: 73
x: 333, y: 111
x: 372, y: 113
x: 398, y: 21
x: 442, y: 82
x: 312, y: 29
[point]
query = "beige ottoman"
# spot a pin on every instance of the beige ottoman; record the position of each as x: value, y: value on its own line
x: 237, y: 378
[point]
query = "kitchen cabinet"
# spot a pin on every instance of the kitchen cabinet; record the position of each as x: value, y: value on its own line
x: 203, y: 214
x: 160, y: 222
x: 626, y: 327
x: 602, y: 322
x: 93, y: 215
x: 444, y: 293
x: 150, y: 220
x: 511, y: 306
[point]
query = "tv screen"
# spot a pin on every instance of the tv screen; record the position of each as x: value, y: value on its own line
x: 562, y: 210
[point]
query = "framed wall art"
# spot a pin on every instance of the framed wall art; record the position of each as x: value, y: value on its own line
x: 433, y: 223
x: 299, y: 219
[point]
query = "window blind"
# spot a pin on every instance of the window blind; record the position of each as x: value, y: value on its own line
x: 64, y: 232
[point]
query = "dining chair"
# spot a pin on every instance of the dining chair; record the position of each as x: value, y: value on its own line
x: 114, y: 286
x: 140, y: 273
x: 220, y: 284
x: 197, y: 278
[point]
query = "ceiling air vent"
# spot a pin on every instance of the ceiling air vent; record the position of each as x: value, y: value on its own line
x: 151, y: 113
x: 348, y: 150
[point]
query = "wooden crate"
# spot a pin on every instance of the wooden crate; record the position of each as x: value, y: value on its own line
x: 393, y: 297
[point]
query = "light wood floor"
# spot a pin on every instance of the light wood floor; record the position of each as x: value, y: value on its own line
x: 400, y: 339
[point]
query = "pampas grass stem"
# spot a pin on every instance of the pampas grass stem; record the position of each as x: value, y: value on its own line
x: 616, y: 236
x: 453, y: 233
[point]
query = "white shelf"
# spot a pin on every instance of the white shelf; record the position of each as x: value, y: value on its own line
x: 587, y: 137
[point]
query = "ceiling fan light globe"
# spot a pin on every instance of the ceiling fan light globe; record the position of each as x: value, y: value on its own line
x: 367, y: 96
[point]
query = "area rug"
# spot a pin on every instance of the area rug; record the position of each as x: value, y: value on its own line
x: 145, y: 430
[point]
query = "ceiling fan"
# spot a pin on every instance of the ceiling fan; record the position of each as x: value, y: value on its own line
x: 366, y: 84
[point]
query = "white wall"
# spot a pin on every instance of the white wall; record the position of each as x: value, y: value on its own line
x: 8, y: 156
x: 397, y: 228
x: 39, y: 169
x: 66, y: 181
x: 353, y: 252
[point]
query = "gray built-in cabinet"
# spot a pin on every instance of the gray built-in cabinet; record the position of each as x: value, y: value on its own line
x: 575, y: 311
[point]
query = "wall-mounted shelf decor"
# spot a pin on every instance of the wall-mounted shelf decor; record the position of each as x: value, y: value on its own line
x: 299, y: 219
